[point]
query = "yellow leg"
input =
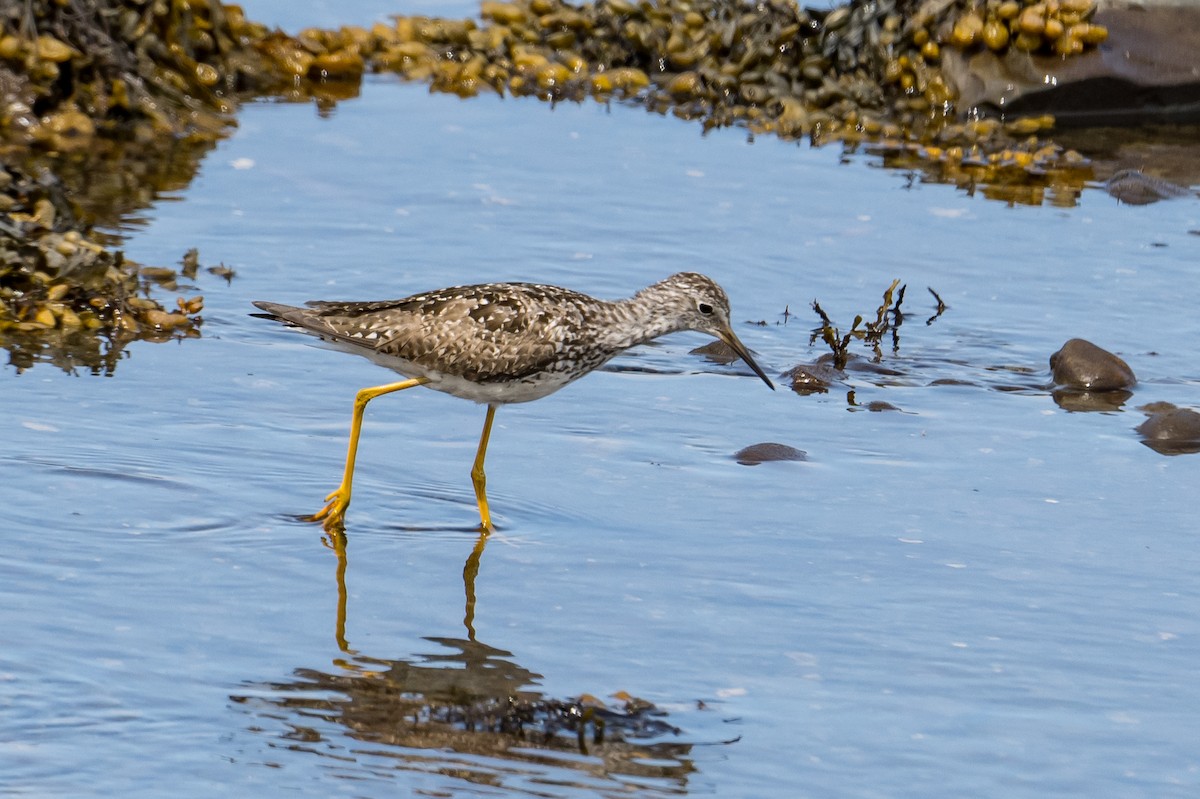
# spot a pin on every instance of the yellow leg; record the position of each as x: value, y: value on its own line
x: 339, y: 500
x: 477, y: 475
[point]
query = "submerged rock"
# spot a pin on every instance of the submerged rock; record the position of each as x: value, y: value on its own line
x: 717, y: 352
x: 769, y: 451
x: 1170, y: 430
x: 812, y: 378
x: 1082, y: 365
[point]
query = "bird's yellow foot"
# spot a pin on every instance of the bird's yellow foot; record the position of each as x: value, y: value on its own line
x: 331, y: 516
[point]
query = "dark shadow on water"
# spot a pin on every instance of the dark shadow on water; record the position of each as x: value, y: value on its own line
x: 467, y: 711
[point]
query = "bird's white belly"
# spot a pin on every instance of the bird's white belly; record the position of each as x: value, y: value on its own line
x: 525, y: 390
x: 500, y: 393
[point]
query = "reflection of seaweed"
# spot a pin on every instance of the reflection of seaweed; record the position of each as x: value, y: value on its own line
x: 64, y: 298
x: 70, y: 351
x: 471, y: 701
x: 469, y: 712
x: 108, y: 104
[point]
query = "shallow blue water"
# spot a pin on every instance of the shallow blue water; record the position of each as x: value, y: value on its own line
x: 979, y: 594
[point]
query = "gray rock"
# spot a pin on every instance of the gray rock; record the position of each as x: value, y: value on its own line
x: 1170, y: 430
x: 1082, y: 365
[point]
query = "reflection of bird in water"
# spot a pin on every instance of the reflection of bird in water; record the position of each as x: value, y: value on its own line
x: 461, y: 706
x: 337, y: 542
x: 501, y: 343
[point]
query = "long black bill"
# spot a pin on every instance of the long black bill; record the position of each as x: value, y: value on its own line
x: 743, y: 353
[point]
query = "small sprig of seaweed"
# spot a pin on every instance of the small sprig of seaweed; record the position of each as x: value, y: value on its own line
x: 888, y: 318
x: 941, y: 307
x: 838, y: 343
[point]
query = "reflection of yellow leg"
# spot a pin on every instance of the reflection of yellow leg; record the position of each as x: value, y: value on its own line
x: 470, y: 572
x: 337, y: 542
x: 339, y: 500
x: 477, y: 475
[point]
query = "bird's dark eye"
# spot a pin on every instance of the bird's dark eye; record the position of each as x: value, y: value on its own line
x: 705, y: 308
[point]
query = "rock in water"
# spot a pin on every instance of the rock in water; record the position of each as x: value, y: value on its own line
x: 1081, y: 364
x: 769, y: 451
x: 1170, y: 430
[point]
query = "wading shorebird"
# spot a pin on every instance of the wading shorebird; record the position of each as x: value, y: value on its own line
x: 500, y: 343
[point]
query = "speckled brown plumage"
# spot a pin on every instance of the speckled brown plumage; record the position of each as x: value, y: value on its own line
x: 511, y: 342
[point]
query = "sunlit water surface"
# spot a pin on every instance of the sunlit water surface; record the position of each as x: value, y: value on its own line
x: 976, y: 594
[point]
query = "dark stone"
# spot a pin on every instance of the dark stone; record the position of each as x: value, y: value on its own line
x: 717, y: 352
x: 814, y: 379
x: 1082, y: 365
x: 1170, y: 430
x: 769, y: 451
